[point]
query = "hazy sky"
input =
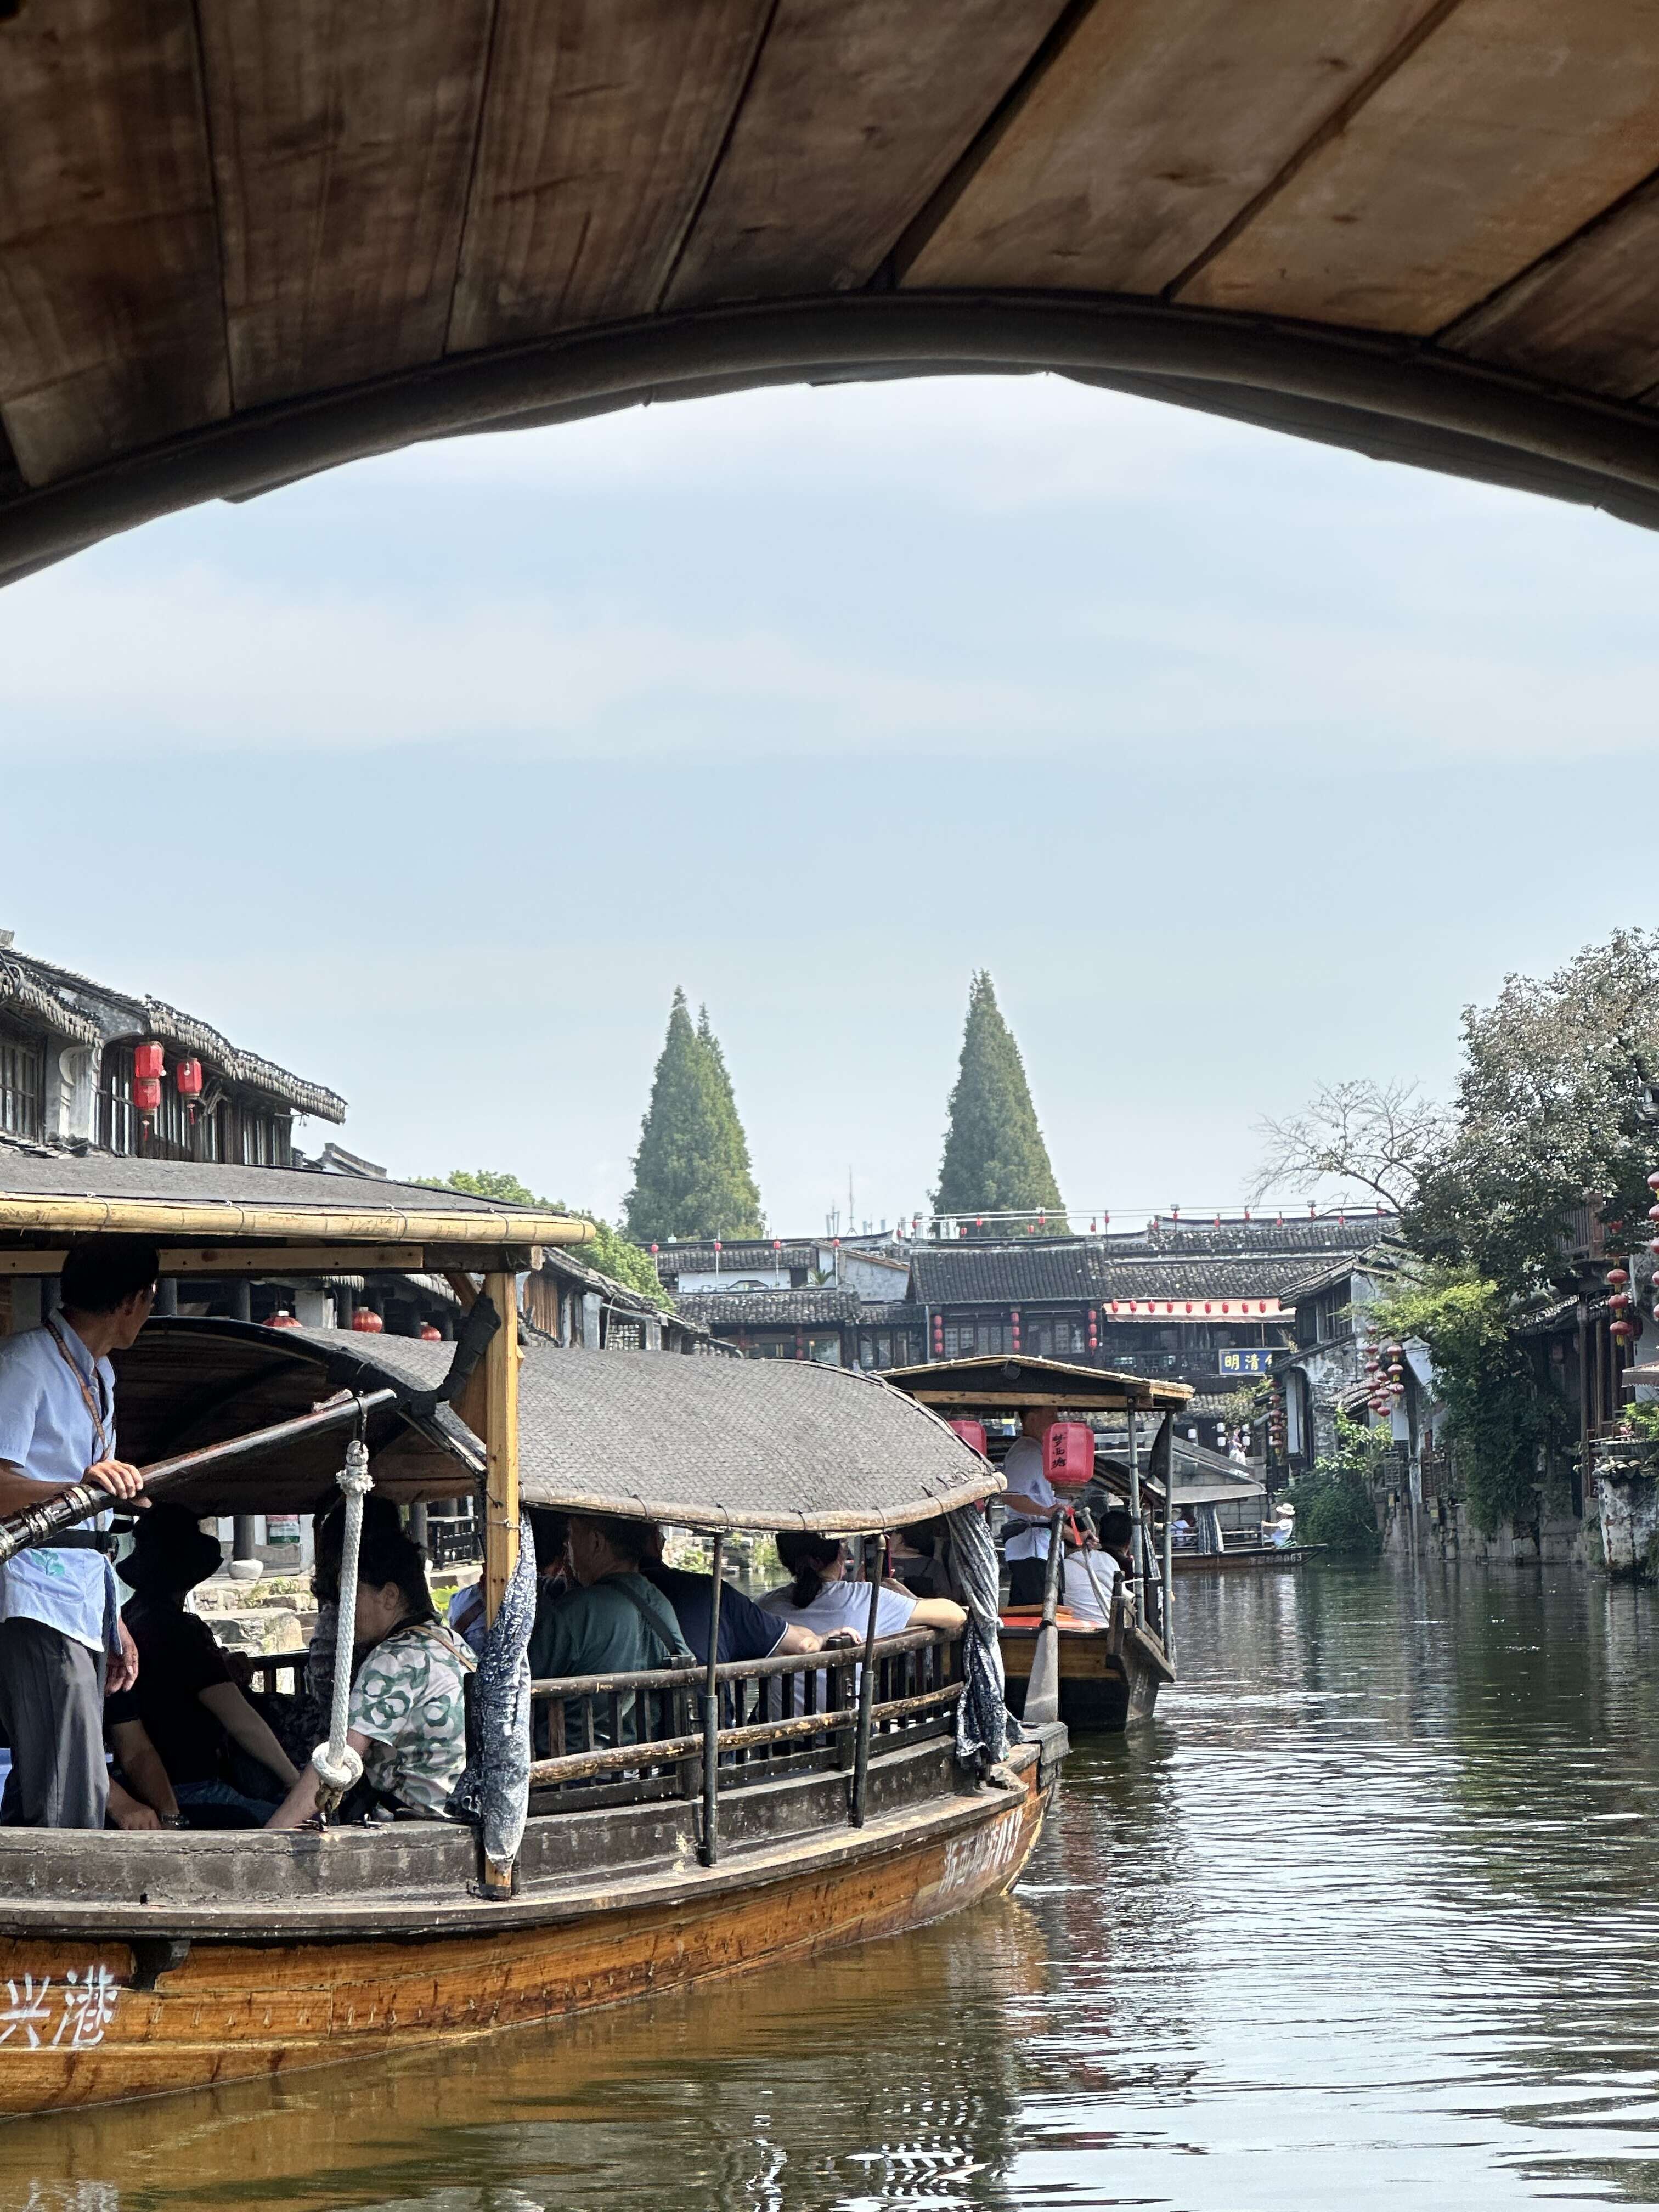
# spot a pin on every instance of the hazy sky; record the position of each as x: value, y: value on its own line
x: 1241, y: 764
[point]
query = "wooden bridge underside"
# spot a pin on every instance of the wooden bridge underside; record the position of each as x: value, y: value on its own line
x: 239, y: 243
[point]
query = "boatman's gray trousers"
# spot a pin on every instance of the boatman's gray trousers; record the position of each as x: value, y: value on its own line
x: 51, y: 1707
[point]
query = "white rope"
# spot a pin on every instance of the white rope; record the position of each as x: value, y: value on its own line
x: 339, y: 1767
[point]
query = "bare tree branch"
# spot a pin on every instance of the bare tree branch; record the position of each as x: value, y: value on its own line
x: 1373, y: 1136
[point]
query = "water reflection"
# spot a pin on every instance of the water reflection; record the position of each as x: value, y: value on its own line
x: 1371, y: 1911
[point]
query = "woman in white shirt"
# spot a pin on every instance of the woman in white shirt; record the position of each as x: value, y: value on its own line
x: 821, y: 1598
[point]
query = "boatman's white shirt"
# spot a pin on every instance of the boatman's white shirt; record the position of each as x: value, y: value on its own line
x: 1023, y: 1470
x: 48, y: 1433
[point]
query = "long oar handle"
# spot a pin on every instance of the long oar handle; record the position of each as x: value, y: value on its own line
x: 37, y: 1523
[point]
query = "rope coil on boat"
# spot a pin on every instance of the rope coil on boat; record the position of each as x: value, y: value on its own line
x: 338, y: 1767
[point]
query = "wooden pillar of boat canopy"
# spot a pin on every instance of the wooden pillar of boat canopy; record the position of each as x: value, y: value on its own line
x: 501, y: 1443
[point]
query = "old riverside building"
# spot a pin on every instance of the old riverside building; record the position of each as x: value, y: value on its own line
x: 85, y: 1066
x: 1206, y: 1302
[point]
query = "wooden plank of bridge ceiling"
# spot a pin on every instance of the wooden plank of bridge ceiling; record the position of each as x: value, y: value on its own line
x: 112, y: 332
x: 343, y: 138
x: 857, y: 111
x: 1508, y: 130
x: 1588, y: 316
x: 602, y: 124
x: 1158, y: 122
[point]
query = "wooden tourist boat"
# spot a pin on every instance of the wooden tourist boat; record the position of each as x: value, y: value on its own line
x: 1102, y: 1679
x: 722, y: 1837
x: 1247, y: 1558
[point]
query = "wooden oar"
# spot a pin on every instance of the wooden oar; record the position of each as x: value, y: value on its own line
x: 36, y: 1523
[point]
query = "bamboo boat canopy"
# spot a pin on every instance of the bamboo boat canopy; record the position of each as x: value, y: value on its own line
x: 699, y: 1442
x: 1008, y: 1383
x: 239, y: 244
x: 199, y: 1214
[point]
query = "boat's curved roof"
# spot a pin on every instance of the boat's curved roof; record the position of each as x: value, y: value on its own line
x: 1008, y: 1382
x: 241, y: 244
x: 702, y: 1443
x: 49, y: 1198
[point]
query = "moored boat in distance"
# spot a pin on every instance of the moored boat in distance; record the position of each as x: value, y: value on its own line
x: 709, y: 1819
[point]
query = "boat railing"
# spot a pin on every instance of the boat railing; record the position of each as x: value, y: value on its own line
x: 606, y: 1739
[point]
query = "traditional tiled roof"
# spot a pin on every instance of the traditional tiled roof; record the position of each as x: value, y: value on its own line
x: 744, y: 1255
x: 1084, y: 1271
x: 1002, y: 1274
x: 1261, y: 1277
x: 92, y: 1013
x: 804, y: 1309
x: 20, y: 991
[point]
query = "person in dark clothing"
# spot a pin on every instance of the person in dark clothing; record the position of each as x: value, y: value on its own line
x: 186, y: 1702
x: 745, y: 1632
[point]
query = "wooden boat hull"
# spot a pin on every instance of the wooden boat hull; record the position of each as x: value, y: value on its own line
x: 85, y: 2020
x: 1102, y: 1691
x: 1254, y: 1559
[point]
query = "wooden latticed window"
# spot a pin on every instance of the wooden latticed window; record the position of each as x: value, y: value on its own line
x: 22, y: 1084
x: 117, y: 1123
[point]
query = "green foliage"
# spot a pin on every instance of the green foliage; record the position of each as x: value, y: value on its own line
x: 1501, y: 1419
x: 488, y: 1182
x: 610, y: 1254
x: 995, y: 1160
x: 1333, y: 1505
x: 691, y: 1174
x: 1548, y: 1109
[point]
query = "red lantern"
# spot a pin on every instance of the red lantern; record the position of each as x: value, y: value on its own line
x: 188, y: 1076
x: 147, y: 1093
x: 1617, y: 1277
x: 430, y: 1335
x: 1622, y: 1331
x: 282, y: 1319
x: 367, y: 1323
x: 147, y: 1061
x: 1653, y: 1183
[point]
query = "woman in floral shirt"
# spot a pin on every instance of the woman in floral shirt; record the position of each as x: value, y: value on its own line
x: 408, y: 1717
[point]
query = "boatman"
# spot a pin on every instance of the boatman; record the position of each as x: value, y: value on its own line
x: 62, y: 1640
x: 1029, y: 1493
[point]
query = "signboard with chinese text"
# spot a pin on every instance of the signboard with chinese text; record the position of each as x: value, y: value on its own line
x: 1247, y: 1359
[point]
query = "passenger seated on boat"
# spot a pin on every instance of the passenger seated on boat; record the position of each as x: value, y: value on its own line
x: 1183, y: 1537
x: 550, y: 1531
x: 193, y: 1714
x: 821, y: 1598
x: 613, y: 1622
x: 305, y: 1726
x: 747, y: 1631
x: 1089, y: 1573
x: 915, y: 1564
x: 1117, y: 1539
x: 407, y: 1721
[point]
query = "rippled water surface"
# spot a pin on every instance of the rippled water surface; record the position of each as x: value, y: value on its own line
x: 1369, y: 1912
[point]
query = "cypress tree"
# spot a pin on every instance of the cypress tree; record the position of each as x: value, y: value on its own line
x: 691, y: 1173
x: 995, y: 1160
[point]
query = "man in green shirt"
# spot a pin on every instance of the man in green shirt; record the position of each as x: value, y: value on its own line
x: 614, y: 1622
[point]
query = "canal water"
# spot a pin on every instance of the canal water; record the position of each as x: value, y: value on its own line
x: 1370, y: 1913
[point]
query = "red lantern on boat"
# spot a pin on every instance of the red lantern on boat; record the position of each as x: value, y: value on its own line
x: 367, y: 1322
x: 148, y: 1062
x: 430, y: 1335
x: 973, y: 1434
x: 282, y: 1319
